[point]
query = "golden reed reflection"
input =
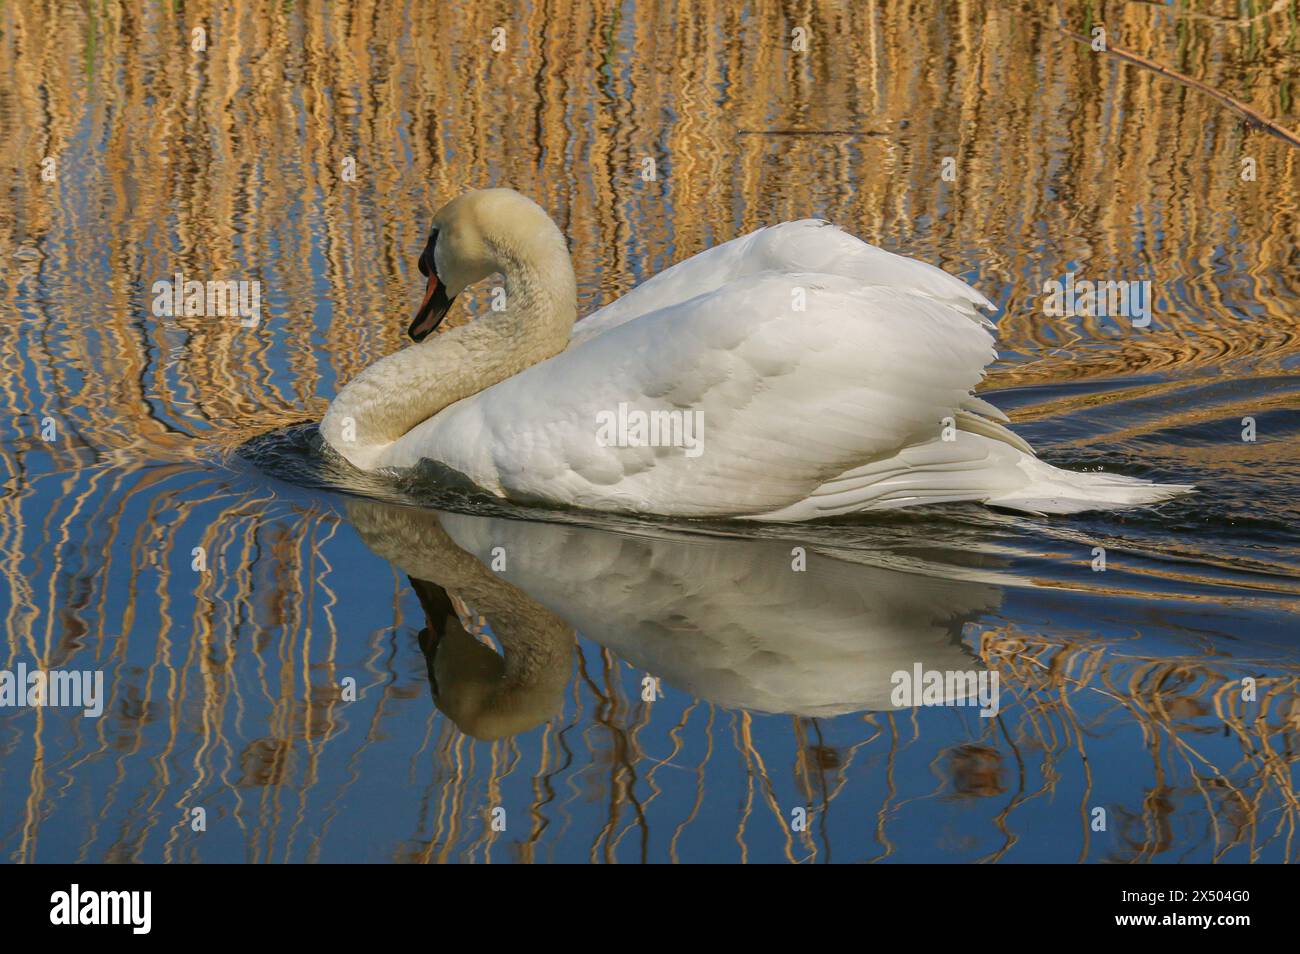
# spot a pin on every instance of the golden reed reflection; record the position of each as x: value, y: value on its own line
x: 228, y: 163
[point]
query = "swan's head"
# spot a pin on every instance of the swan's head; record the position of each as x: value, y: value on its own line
x: 479, y: 234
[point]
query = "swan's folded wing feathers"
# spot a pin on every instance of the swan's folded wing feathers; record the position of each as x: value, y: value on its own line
x: 788, y: 399
x: 814, y: 246
x: 808, y: 246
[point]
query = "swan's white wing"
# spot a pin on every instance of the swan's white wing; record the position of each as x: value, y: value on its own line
x: 806, y: 246
x: 787, y: 399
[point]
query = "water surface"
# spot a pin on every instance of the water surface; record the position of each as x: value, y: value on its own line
x: 229, y: 686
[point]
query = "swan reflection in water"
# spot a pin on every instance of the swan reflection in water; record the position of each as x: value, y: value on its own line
x: 730, y: 621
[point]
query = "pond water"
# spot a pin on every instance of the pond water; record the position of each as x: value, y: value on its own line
x: 300, y: 664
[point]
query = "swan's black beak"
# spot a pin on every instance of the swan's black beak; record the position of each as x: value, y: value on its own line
x: 436, y: 302
x: 432, y: 311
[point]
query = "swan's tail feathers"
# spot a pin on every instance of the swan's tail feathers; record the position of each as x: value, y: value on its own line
x: 975, y: 424
x: 981, y: 465
x: 1052, y: 490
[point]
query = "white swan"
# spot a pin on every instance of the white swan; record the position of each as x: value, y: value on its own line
x: 821, y: 375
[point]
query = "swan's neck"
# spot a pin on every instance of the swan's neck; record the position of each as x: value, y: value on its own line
x: 410, y: 386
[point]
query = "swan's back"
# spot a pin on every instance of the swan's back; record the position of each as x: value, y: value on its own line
x: 809, y: 246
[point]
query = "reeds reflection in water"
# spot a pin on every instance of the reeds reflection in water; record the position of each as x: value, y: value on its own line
x: 226, y: 685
